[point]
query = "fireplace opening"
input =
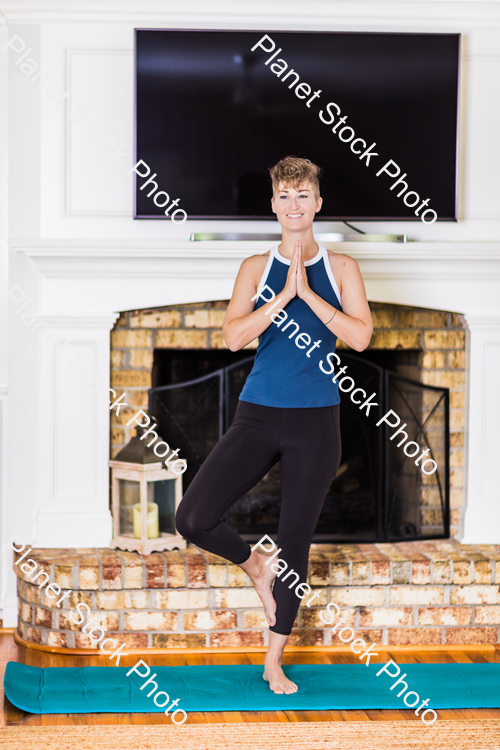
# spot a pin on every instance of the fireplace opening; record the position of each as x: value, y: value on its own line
x: 378, y: 494
x: 173, y: 366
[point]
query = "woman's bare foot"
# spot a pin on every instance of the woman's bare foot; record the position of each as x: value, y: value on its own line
x: 278, y: 682
x: 262, y: 578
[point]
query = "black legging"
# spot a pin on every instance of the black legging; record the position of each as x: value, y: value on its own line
x: 306, y: 442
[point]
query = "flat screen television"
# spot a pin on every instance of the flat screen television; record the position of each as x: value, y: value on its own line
x: 214, y: 112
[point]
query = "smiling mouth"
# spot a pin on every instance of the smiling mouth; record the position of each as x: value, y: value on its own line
x: 294, y: 216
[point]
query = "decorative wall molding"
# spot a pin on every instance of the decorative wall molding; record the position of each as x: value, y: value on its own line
x: 483, y: 321
x: 339, y: 13
x: 73, y: 433
x: 68, y: 126
x: 180, y: 259
x: 84, y: 320
x: 72, y: 527
x: 66, y: 248
x: 482, y: 518
x: 8, y: 579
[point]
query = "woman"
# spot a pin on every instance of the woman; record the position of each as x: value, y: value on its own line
x: 288, y: 409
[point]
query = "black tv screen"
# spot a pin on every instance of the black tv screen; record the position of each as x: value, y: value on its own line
x: 213, y: 115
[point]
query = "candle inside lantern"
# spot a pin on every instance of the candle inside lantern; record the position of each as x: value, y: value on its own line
x: 153, y: 528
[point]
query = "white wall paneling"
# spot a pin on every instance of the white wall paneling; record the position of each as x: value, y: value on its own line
x: 98, y: 131
x: 73, y: 435
x: 8, y: 587
x: 8, y: 577
x: 482, y: 156
x: 4, y: 274
x: 482, y: 518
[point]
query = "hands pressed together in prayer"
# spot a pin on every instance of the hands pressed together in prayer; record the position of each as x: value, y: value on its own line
x: 296, y: 280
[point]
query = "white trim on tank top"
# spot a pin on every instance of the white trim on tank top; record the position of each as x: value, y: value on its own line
x: 329, y: 273
x: 322, y: 253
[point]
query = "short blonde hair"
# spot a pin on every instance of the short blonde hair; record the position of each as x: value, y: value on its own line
x: 294, y: 171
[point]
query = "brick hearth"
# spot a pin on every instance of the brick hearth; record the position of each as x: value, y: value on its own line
x: 394, y: 594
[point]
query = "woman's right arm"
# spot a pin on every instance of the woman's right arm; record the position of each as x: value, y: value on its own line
x: 242, y: 323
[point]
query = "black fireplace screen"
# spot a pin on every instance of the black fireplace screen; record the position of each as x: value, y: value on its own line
x: 379, y: 494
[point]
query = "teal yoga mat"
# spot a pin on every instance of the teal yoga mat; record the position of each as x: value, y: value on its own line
x: 241, y: 688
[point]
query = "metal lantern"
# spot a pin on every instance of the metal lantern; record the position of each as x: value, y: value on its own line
x: 145, y: 497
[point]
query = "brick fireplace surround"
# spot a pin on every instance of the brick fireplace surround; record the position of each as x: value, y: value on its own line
x: 409, y: 593
x: 439, y: 337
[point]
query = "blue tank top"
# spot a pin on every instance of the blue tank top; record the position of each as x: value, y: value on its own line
x: 283, y: 375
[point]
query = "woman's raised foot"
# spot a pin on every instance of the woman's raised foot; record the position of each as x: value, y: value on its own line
x: 262, y: 579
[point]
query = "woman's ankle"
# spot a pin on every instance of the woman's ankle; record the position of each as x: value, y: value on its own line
x: 253, y: 565
x: 273, y: 663
x: 273, y: 659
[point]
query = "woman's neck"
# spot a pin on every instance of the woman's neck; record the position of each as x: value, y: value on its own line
x: 309, y: 245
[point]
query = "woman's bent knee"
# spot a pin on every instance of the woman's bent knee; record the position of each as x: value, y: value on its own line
x: 186, y: 525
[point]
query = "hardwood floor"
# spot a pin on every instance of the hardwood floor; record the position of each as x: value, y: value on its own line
x: 12, y: 716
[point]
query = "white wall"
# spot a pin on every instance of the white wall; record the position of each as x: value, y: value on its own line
x: 58, y: 211
x: 3, y: 308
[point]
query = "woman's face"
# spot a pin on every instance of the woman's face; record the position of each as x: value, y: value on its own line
x: 296, y: 209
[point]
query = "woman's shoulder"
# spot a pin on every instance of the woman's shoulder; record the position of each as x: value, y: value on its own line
x: 255, y: 264
x: 343, y: 268
x: 340, y: 261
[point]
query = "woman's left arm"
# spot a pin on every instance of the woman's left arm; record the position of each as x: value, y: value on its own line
x: 354, y: 324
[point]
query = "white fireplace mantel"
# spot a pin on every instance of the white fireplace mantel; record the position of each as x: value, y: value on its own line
x: 82, y: 285
x: 457, y: 276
